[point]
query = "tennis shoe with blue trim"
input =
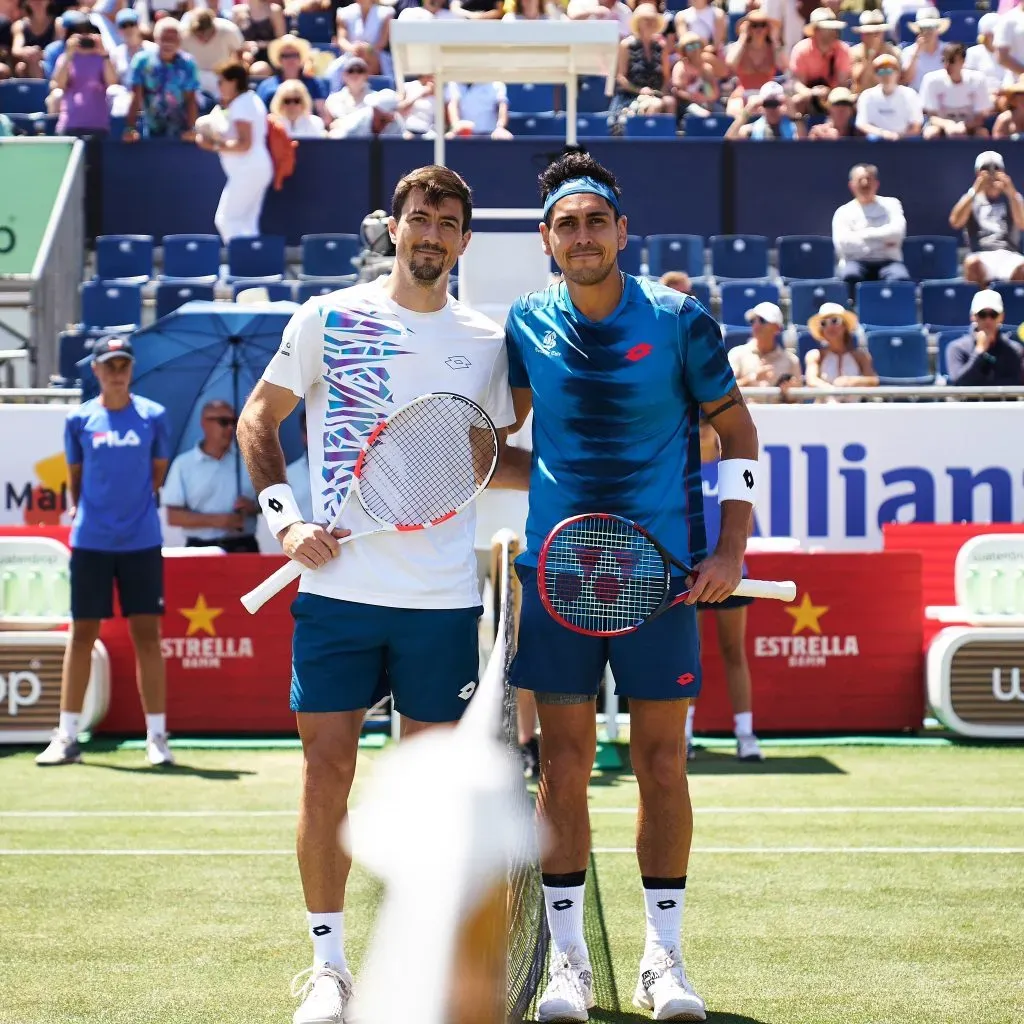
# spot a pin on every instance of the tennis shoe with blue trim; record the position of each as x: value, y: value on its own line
x: 325, y: 993
x: 664, y: 988
x: 570, y: 991
x: 61, y: 750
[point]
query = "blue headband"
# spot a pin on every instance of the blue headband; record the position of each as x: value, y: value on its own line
x: 579, y: 186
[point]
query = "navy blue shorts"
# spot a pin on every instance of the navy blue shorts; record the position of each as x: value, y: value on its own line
x: 139, y: 576
x: 732, y: 601
x: 660, y: 661
x: 347, y: 656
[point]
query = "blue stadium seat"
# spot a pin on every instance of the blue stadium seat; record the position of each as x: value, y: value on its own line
x: 311, y: 289
x: 590, y: 97
x: 631, y: 258
x: 807, y: 297
x: 124, y: 258
x: 592, y: 127
x: 944, y: 339
x: 675, y: 252
x: 805, y: 342
x: 316, y: 26
x: 191, y: 258
x: 900, y: 356
x: 111, y: 305
x: 33, y: 124
x: 963, y: 27
x: 852, y: 19
x: 169, y: 296
x: 930, y: 257
x: 735, y: 17
x: 701, y: 291
x: 903, y: 33
x: 258, y: 256
x: 958, y: 5
x: 530, y: 98
x: 743, y: 256
x: 946, y: 303
x: 326, y: 256
x: 71, y: 347
x: 714, y: 127
x: 23, y: 96
x: 651, y: 126
x: 529, y: 125
x: 378, y: 82
x: 1013, y: 300
x: 887, y: 303
x: 735, y: 336
x: 277, y: 291
x: 806, y: 257
x: 739, y: 296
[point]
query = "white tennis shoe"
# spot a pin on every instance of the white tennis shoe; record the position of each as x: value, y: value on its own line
x: 61, y: 750
x: 325, y: 994
x: 748, y: 749
x: 158, y: 753
x: 570, y: 991
x: 663, y: 988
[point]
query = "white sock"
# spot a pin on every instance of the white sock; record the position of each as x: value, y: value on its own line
x: 690, y: 712
x: 156, y: 725
x: 664, y: 909
x: 564, y: 906
x: 69, y: 724
x: 328, y: 934
x: 744, y: 723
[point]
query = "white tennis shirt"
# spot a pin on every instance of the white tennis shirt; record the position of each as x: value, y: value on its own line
x: 355, y: 356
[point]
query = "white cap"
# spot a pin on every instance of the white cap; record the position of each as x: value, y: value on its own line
x: 766, y: 311
x: 986, y: 299
x: 385, y: 100
x: 988, y: 158
x: 987, y: 23
x: 772, y: 91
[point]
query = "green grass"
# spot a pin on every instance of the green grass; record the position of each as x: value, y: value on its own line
x: 771, y: 938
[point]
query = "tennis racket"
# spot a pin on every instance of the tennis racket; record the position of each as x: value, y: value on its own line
x: 421, y: 465
x: 604, y: 575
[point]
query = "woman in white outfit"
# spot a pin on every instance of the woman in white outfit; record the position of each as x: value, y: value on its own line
x: 237, y: 131
x: 293, y: 106
x: 838, y: 362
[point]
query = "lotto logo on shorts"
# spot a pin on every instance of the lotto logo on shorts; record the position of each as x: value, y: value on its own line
x: 685, y: 679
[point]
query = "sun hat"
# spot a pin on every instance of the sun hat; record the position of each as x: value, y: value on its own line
x: 829, y: 309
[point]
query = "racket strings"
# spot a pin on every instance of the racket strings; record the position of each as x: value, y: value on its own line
x: 430, y: 460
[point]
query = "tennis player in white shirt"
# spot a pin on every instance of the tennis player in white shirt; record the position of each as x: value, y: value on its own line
x: 397, y: 612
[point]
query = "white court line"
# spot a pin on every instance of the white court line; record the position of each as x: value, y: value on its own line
x: 148, y: 814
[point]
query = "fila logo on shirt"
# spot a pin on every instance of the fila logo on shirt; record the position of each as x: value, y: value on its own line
x: 112, y: 439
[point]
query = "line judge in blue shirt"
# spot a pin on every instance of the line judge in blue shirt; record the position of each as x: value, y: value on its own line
x: 116, y: 447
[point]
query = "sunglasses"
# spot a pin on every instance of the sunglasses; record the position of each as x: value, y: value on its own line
x: 771, y: 104
x: 292, y: 101
x: 986, y: 314
x: 885, y: 71
x: 831, y: 321
x: 289, y: 56
x: 356, y: 71
x: 692, y: 46
x: 221, y: 421
x: 760, y: 321
x: 991, y: 168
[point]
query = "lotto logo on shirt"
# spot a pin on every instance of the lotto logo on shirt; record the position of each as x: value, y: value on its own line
x: 113, y: 439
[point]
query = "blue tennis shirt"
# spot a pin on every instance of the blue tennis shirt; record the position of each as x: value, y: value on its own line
x: 616, y: 406
x: 116, y: 448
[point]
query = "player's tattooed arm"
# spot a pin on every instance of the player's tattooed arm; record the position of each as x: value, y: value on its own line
x: 713, y: 409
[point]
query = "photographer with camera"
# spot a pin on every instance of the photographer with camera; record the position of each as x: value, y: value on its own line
x: 83, y: 72
x: 991, y: 215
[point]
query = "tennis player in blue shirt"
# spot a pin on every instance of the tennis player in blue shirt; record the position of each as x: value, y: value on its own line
x: 117, y: 450
x: 616, y: 369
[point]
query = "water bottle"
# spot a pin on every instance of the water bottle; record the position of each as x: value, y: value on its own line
x: 1018, y: 592
x: 974, y: 592
x: 60, y: 594
x: 11, y: 586
x: 34, y: 594
x: 998, y: 592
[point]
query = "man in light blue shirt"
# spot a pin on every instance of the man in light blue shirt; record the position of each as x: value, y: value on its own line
x: 208, y: 493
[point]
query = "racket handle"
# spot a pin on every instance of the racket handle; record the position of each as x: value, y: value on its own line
x: 271, y: 586
x: 784, y: 591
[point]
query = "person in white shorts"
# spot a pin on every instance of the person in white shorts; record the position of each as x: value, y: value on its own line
x: 388, y: 612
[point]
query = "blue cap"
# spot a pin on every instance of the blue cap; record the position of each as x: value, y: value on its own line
x: 126, y: 17
x: 581, y: 186
x: 74, y: 19
x: 112, y: 347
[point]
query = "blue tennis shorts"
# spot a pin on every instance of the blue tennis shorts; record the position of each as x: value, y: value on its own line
x: 660, y: 661
x: 139, y: 576
x: 347, y: 656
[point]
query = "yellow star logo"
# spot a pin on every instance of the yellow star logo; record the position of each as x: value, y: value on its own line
x: 806, y: 615
x: 200, y: 618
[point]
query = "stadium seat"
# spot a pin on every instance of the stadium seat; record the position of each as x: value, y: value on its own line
x: 529, y: 125
x: 71, y: 347
x: 887, y: 303
x: 34, y: 124
x: 311, y: 289
x: 697, y: 127
x: 126, y: 258
x: 944, y: 339
x: 590, y: 97
x: 963, y: 26
x: 903, y: 33
x: 111, y: 305
x: 277, y: 291
x: 807, y: 297
x: 958, y: 5
x: 1013, y: 300
x: 325, y: 256
x: 930, y: 257
x: 652, y: 126
x: 256, y: 257
x: 675, y: 252
x: 743, y: 256
x: 946, y: 303
x: 805, y: 342
x: 900, y: 356
x: 735, y: 336
x: 378, y: 82
x: 23, y: 96
x: 316, y: 26
x: 592, y: 127
x: 169, y: 296
x: 806, y: 257
x: 739, y: 296
x: 530, y: 98
x: 701, y: 291
x: 191, y: 258
x: 631, y: 258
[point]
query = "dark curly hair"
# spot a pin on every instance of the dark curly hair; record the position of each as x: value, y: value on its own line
x: 575, y: 165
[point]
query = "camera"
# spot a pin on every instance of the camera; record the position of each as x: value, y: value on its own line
x: 87, y: 42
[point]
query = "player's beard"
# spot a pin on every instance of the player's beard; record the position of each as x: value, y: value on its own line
x: 587, y: 275
x: 427, y: 268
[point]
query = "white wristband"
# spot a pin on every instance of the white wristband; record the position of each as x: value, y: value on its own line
x: 738, y: 479
x: 280, y: 507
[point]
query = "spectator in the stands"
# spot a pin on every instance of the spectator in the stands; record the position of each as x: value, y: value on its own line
x: 350, y: 98
x: 925, y: 54
x: 378, y: 116
x: 790, y: 17
x: 480, y: 108
x: 677, y: 280
x: 83, y: 73
x: 1009, y: 40
x: 987, y: 357
x: 293, y: 107
x: 6, y: 49
x: 131, y: 44
x: 530, y: 10
x: 207, y: 491
x: 290, y: 57
x: 982, y: 57
x: 868, y: 232
x: 364, y: 29
x: 838, y: 362
x: 705, y: 20
x: 819, y: 63
x: 164, y: 85
x: 601, y: 10
x: 211, y: 41
x: 1010, y: 123
x: 260, y: 22
x: 423, y: 10
x: 757, y: 57
x: 417, y: 107
x: 297, y: 475
x: 839, y: 124
x: 889, y: 110
x: 764, y: 118
x: 31, y: 34
x: 764, y: 361
x: 643, y: 79
x: 872, y: 43
x: 694, y: 84
x: 477, y: 9
x: 955, y: 101
x: 991, y: 214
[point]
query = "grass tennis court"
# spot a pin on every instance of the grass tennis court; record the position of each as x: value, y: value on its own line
x: 890, y: 891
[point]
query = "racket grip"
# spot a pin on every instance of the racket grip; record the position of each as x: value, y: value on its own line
x: 271, y: 586
x: 778, y: 591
